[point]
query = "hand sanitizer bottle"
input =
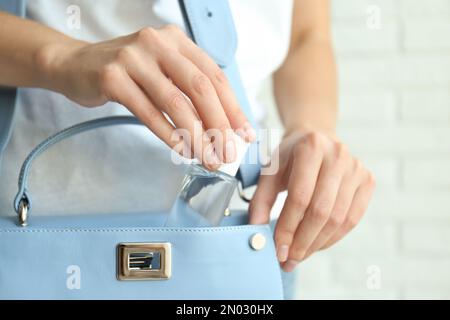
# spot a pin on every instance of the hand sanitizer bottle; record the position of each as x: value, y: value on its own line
x: 205, y: 195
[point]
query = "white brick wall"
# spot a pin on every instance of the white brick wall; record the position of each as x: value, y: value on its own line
x: 395, y: 115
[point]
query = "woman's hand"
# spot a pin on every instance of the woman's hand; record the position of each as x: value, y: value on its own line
x: 328, y: 192
x: 152, y: 72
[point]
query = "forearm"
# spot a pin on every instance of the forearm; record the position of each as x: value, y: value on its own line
x: 26, y: 48
x: 305, y: 88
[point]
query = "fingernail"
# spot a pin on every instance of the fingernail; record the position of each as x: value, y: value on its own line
x: 230, y: 151
x: 283, y: 252
x: 210, y: 157
x: 290, y: 265
x: 249, y: 131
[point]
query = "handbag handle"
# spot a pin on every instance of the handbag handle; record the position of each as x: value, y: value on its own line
x: 22, y: 201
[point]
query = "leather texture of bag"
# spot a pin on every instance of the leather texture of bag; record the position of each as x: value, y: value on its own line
x: 133, y: 256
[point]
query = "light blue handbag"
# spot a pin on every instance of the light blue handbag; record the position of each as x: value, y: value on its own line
x: 132, y: 256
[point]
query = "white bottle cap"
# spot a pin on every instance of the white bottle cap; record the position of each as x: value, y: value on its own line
x: 241, y: 149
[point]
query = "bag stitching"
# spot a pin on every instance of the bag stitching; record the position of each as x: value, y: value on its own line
x: 185, y: 230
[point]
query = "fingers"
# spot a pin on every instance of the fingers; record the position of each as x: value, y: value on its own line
x: 197, y: 97
x: 328, y: 192
x: 339, y: 212
x: 198, y: 87
x: 122, y: 89
x: 263, y: 199
x: 320, y: 207
x: 168, y: 98
x: 229, y: 102
x: 307, y: 160
x: 358, y: 207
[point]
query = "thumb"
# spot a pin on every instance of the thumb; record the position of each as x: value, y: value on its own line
x: 263, y: 199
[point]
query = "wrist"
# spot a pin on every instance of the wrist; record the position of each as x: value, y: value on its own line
x: 305, y: 128
x: 51, y: 61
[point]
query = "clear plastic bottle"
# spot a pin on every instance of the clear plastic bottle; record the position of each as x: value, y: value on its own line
x: 205, y: 195
x: 203, y: 198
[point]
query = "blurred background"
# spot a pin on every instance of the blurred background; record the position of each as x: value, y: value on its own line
x: 394, y: 64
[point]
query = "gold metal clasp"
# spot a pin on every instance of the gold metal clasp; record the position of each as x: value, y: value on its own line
x: 144, y: 261
x: 23, y: 213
